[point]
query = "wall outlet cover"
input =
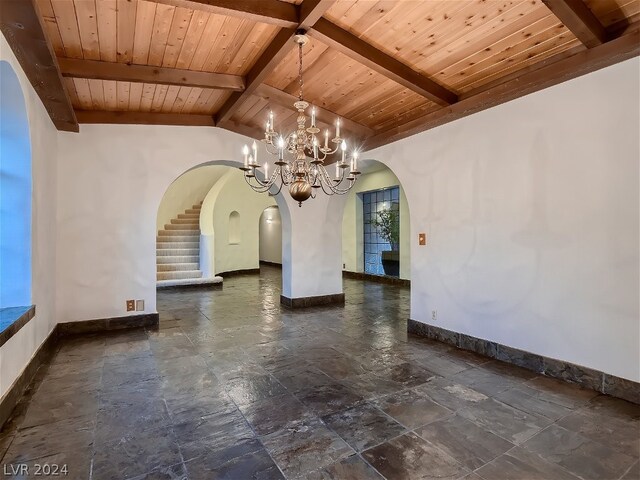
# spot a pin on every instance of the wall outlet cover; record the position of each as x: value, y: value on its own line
x: 131, y: 305
x: 434, y: 315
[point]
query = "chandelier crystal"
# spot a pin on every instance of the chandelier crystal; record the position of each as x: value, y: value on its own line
x: 301, y: 157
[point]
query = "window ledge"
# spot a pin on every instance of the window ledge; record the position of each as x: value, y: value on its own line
x: 12, y: 319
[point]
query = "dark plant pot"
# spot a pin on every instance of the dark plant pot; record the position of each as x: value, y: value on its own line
x: 391, y: 263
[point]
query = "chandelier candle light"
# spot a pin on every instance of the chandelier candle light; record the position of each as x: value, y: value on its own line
x: 300, y: 163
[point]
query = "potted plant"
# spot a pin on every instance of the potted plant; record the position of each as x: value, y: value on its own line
x: 387, y: 222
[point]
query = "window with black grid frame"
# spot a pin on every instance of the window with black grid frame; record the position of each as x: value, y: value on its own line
x: 374, y: 202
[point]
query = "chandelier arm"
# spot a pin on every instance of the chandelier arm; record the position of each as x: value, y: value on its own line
x: 334, y: 188
x: 275, y: 149
x: 255, y: 188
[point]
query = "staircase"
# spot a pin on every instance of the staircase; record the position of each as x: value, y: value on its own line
x: 178, y: 251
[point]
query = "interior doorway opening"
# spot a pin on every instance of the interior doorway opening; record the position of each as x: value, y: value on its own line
x: 270, y: 236
x: 376, y: 226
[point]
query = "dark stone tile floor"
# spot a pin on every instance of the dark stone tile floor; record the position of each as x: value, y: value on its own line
x: 232, y: 386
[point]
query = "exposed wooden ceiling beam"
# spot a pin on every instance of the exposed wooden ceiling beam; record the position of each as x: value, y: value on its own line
x: 143, y: 118
x: 549, y: 73
x: 73, y: 67
x: 285, y: 99
x: 310, y: 11
x: 245, y: 130
x: 577, y: 17
x: 21, y: 26
x: 356, y: 48
x: 266, y: 11
x: 271, y: 57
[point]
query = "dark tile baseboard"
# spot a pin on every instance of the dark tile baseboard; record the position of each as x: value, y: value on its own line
x: 106, y: 324
x: 15, y: 392
x: 48, y: 348
x: 304, y: 302
x: 233, y: 273
x: 376, y: 278
x: 271, y: 264
x: 569, y: 372
x: 191, y: 286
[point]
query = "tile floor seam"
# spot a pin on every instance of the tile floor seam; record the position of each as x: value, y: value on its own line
x: 264, y: 447
x: 629, y: 469
x: 227, y: 340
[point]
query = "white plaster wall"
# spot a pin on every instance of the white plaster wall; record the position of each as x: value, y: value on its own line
x: 532, y: 215
x: 186, y: 191
x: 16, y: 353
x: 111, y: 181
x: 235, y: 195
x: 352, y: 226
x: 270, y: 236
x: 107, y: 207
x: 312, y: 246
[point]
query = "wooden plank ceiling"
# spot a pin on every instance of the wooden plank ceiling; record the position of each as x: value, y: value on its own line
x: 389, y: 68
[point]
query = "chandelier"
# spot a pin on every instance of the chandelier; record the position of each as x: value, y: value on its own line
x: 300, y: 163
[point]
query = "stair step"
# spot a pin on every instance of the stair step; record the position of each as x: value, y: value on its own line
x: 167, y: 251
x: 178, y: 275
x: 192, y: 210
x: 189, y: 215
x: 189, y: 281
x: 179, y: 233
x: 186, y: 221
x: 178, y: 238
x: 162, y: 259
x: 197, y: 206
x: 177, y: 267
x: 178, y: 245
x: 182, y: 226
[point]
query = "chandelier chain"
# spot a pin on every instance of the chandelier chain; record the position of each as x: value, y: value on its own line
x: 300, y: 69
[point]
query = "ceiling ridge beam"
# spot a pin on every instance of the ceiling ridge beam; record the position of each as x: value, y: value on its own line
x: 580, y: 20
x: 273, y: 12
x: 285, y: 99
x: 377, y: 60
x: 548, y: 74
x: 23, y: 29
x: 271, y: 57
x: 143, y: 118
x: 123, y: 72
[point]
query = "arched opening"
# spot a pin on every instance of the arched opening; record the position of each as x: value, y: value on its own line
x: 15, y: 193
x: 234, y: 228
x: 208, y: 226
x: 270, y: 236
x: 376, y: 226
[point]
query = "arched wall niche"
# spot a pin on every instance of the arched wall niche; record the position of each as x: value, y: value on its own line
x: 234, y: 233
x: 15, y: 192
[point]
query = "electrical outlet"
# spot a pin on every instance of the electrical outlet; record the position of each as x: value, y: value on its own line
x: 344, y: 265
x: 131, y: 305
x: 434, y: 315
x: 140, y: 305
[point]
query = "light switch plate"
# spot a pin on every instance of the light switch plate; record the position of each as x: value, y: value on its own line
x: 140, y: 305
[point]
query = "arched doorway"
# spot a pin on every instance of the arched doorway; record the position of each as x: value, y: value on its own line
x: 225, y: 238
x: 270, y: 236
x: 376, y: 226
x: 15, y: 193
